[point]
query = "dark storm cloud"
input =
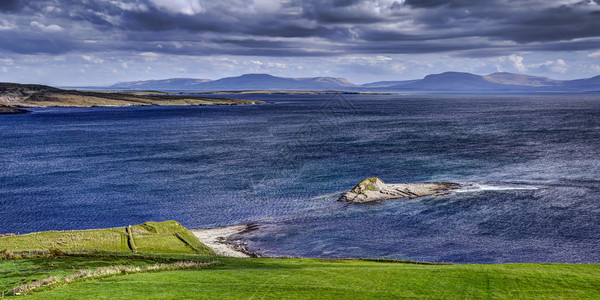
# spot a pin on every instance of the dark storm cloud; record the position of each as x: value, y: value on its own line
x: 553, y: 24
x: 435, y: 3
x: 300, y: 28
x: 343, y: 12
x: 9, y: 5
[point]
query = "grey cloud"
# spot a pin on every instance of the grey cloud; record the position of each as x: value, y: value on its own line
x: 36, y: 44
x: 395, y: 5
x: 436, y: 3
x: 350, y: 13
x: 9, y: 5
x: 306, y: 28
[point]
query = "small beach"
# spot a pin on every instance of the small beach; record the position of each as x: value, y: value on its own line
x: 219, y: 239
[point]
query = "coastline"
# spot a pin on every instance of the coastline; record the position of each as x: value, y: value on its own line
x: 225, y: 241
x: 16, y: 98
x: 14, y: 110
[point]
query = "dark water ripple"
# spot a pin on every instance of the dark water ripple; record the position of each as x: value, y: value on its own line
x: 533, y: 162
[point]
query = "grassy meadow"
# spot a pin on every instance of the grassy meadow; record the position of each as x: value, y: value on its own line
x: 343, y: 279
x: 155, y: 269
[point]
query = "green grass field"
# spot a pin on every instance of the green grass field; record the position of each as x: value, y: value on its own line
x: 334, y: 279
x: 24, y: 271
x: 264, y: 278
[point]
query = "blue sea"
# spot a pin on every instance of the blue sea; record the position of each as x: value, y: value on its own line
x: 530, y: 166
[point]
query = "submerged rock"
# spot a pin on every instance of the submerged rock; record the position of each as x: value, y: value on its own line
x: 374, y: 189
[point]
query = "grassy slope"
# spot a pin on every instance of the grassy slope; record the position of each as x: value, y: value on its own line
x: 326, y: 279
x: 273, y: 278
x: 24, y: 95
x: 112, y: 239
x: 167, y: 237
x: 161, y: 240
x: 150, y: 237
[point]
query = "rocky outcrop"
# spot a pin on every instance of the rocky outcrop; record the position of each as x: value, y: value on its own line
x: 8, y: 110
x: 374, y: 189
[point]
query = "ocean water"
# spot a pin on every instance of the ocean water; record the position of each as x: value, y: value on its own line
x: 530, y: 166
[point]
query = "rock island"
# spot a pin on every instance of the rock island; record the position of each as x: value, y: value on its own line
x: 374, y: 189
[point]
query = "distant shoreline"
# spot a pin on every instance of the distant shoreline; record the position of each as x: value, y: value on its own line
x: 261, y: 92
x: 20, y: 110
x: 15, y: 98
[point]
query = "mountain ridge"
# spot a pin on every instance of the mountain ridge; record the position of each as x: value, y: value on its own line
x: 447, y: 81
x: 255, y: 81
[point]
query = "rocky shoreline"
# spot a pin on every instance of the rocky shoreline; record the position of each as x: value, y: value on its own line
x: 227, y: 241
x: 11, y: 110
x: 374, y: 189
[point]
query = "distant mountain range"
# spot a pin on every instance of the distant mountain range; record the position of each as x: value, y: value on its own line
x: 240, y: 83
x: 444, y: 82
x: 165, y: 84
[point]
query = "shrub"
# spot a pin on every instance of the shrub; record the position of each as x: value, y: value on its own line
x: 6, y: 255
x: 57, y: 252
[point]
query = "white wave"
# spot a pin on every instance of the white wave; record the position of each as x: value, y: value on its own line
x: 476, y: 187
x: 328, y: 196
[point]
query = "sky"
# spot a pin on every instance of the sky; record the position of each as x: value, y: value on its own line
x: 101, y: 42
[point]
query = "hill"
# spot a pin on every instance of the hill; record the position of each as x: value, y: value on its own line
x: 385, y: 84
x: 33, y: 261
x: 454, y: 81
x: 147, y: 92
x: 179, y: 84
x: 244, y: 82
x: 589, y: 84
x: 521, y: 80
x: 14, y: 96
x: 496, y: 83
x: 443, y: 82
x: 148, y: 238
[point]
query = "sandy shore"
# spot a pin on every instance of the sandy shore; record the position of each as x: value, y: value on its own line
x: 219, y: 239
